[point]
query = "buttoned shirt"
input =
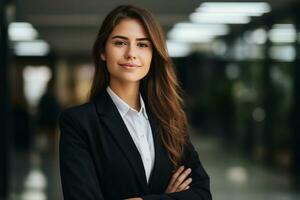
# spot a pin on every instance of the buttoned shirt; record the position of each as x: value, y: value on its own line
x: 138, y: 125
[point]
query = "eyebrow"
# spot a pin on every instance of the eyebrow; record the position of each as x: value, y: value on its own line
x: 126, y: 38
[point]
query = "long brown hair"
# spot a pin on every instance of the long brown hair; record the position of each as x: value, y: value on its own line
x: 159, y: 86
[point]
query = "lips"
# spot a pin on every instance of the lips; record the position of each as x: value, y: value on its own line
x: 129, y: 65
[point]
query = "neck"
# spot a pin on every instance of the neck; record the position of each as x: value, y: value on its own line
x: 128, y: 92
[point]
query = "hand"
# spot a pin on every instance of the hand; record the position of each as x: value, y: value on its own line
x: 179, y: 181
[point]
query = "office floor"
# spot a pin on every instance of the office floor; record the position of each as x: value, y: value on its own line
x: 233, y: 177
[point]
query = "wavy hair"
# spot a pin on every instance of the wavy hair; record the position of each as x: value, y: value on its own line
x: 160, y: 86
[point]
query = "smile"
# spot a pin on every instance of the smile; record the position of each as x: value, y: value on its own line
x: 129, y: 65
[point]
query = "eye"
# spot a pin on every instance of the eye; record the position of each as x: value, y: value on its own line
x: 142, y: 45
x: 119, y: 43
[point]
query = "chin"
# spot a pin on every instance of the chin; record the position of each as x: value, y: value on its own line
x: 131, y: 78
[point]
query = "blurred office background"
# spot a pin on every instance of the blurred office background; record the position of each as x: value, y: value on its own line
x: 238, y: 63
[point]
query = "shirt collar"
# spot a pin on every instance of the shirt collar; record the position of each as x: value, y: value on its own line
x: 123, y: 107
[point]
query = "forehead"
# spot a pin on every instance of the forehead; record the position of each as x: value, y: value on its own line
x: 131, y: 28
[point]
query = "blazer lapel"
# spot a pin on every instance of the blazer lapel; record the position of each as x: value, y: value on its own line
x: 112, y: 119
x: 162, y: 165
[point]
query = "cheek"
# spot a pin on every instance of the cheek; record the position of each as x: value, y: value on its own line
x: 147, y: 57
x: 112, y: 56
x: 147, y: 62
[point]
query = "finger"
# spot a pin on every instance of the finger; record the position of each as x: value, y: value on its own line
x: 176, y: 174
x: 182, y: 177
x: 174, y: 177
x: 187, y: 187
x: 184, y: 184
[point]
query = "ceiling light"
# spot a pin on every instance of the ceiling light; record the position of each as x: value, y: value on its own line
x: 19, y: 31
x: 218, y: 19
x: 231, y: 7
x: 190, y: 32
x: 32, y: 48
x: 178, y: 49
x: 283, y: 33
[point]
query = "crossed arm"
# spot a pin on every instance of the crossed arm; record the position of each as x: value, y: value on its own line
x: 179, y: 182
x: 85, y: 186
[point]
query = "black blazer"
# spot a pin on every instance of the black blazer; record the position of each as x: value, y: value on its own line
x: 99, y: 160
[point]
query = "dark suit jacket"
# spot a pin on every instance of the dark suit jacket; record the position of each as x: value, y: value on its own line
x: 99, y: 160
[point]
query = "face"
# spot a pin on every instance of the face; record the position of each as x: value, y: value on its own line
x: 128, y: 52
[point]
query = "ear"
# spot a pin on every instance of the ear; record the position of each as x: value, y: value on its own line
x: 103, y: 57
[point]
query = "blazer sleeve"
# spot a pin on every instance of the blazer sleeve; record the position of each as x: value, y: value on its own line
x: 200, y: 187
x: 78, y: 174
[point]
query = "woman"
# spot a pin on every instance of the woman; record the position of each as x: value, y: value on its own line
x: 130, y: 140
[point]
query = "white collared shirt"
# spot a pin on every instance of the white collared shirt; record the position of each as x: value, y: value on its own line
x: 138, y: 125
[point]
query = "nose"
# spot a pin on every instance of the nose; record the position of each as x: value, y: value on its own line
x: 131, y: 52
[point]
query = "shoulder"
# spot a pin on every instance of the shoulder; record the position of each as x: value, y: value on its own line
x: 78, y: 113
x: 74, y: 122
x: 79, y: 110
